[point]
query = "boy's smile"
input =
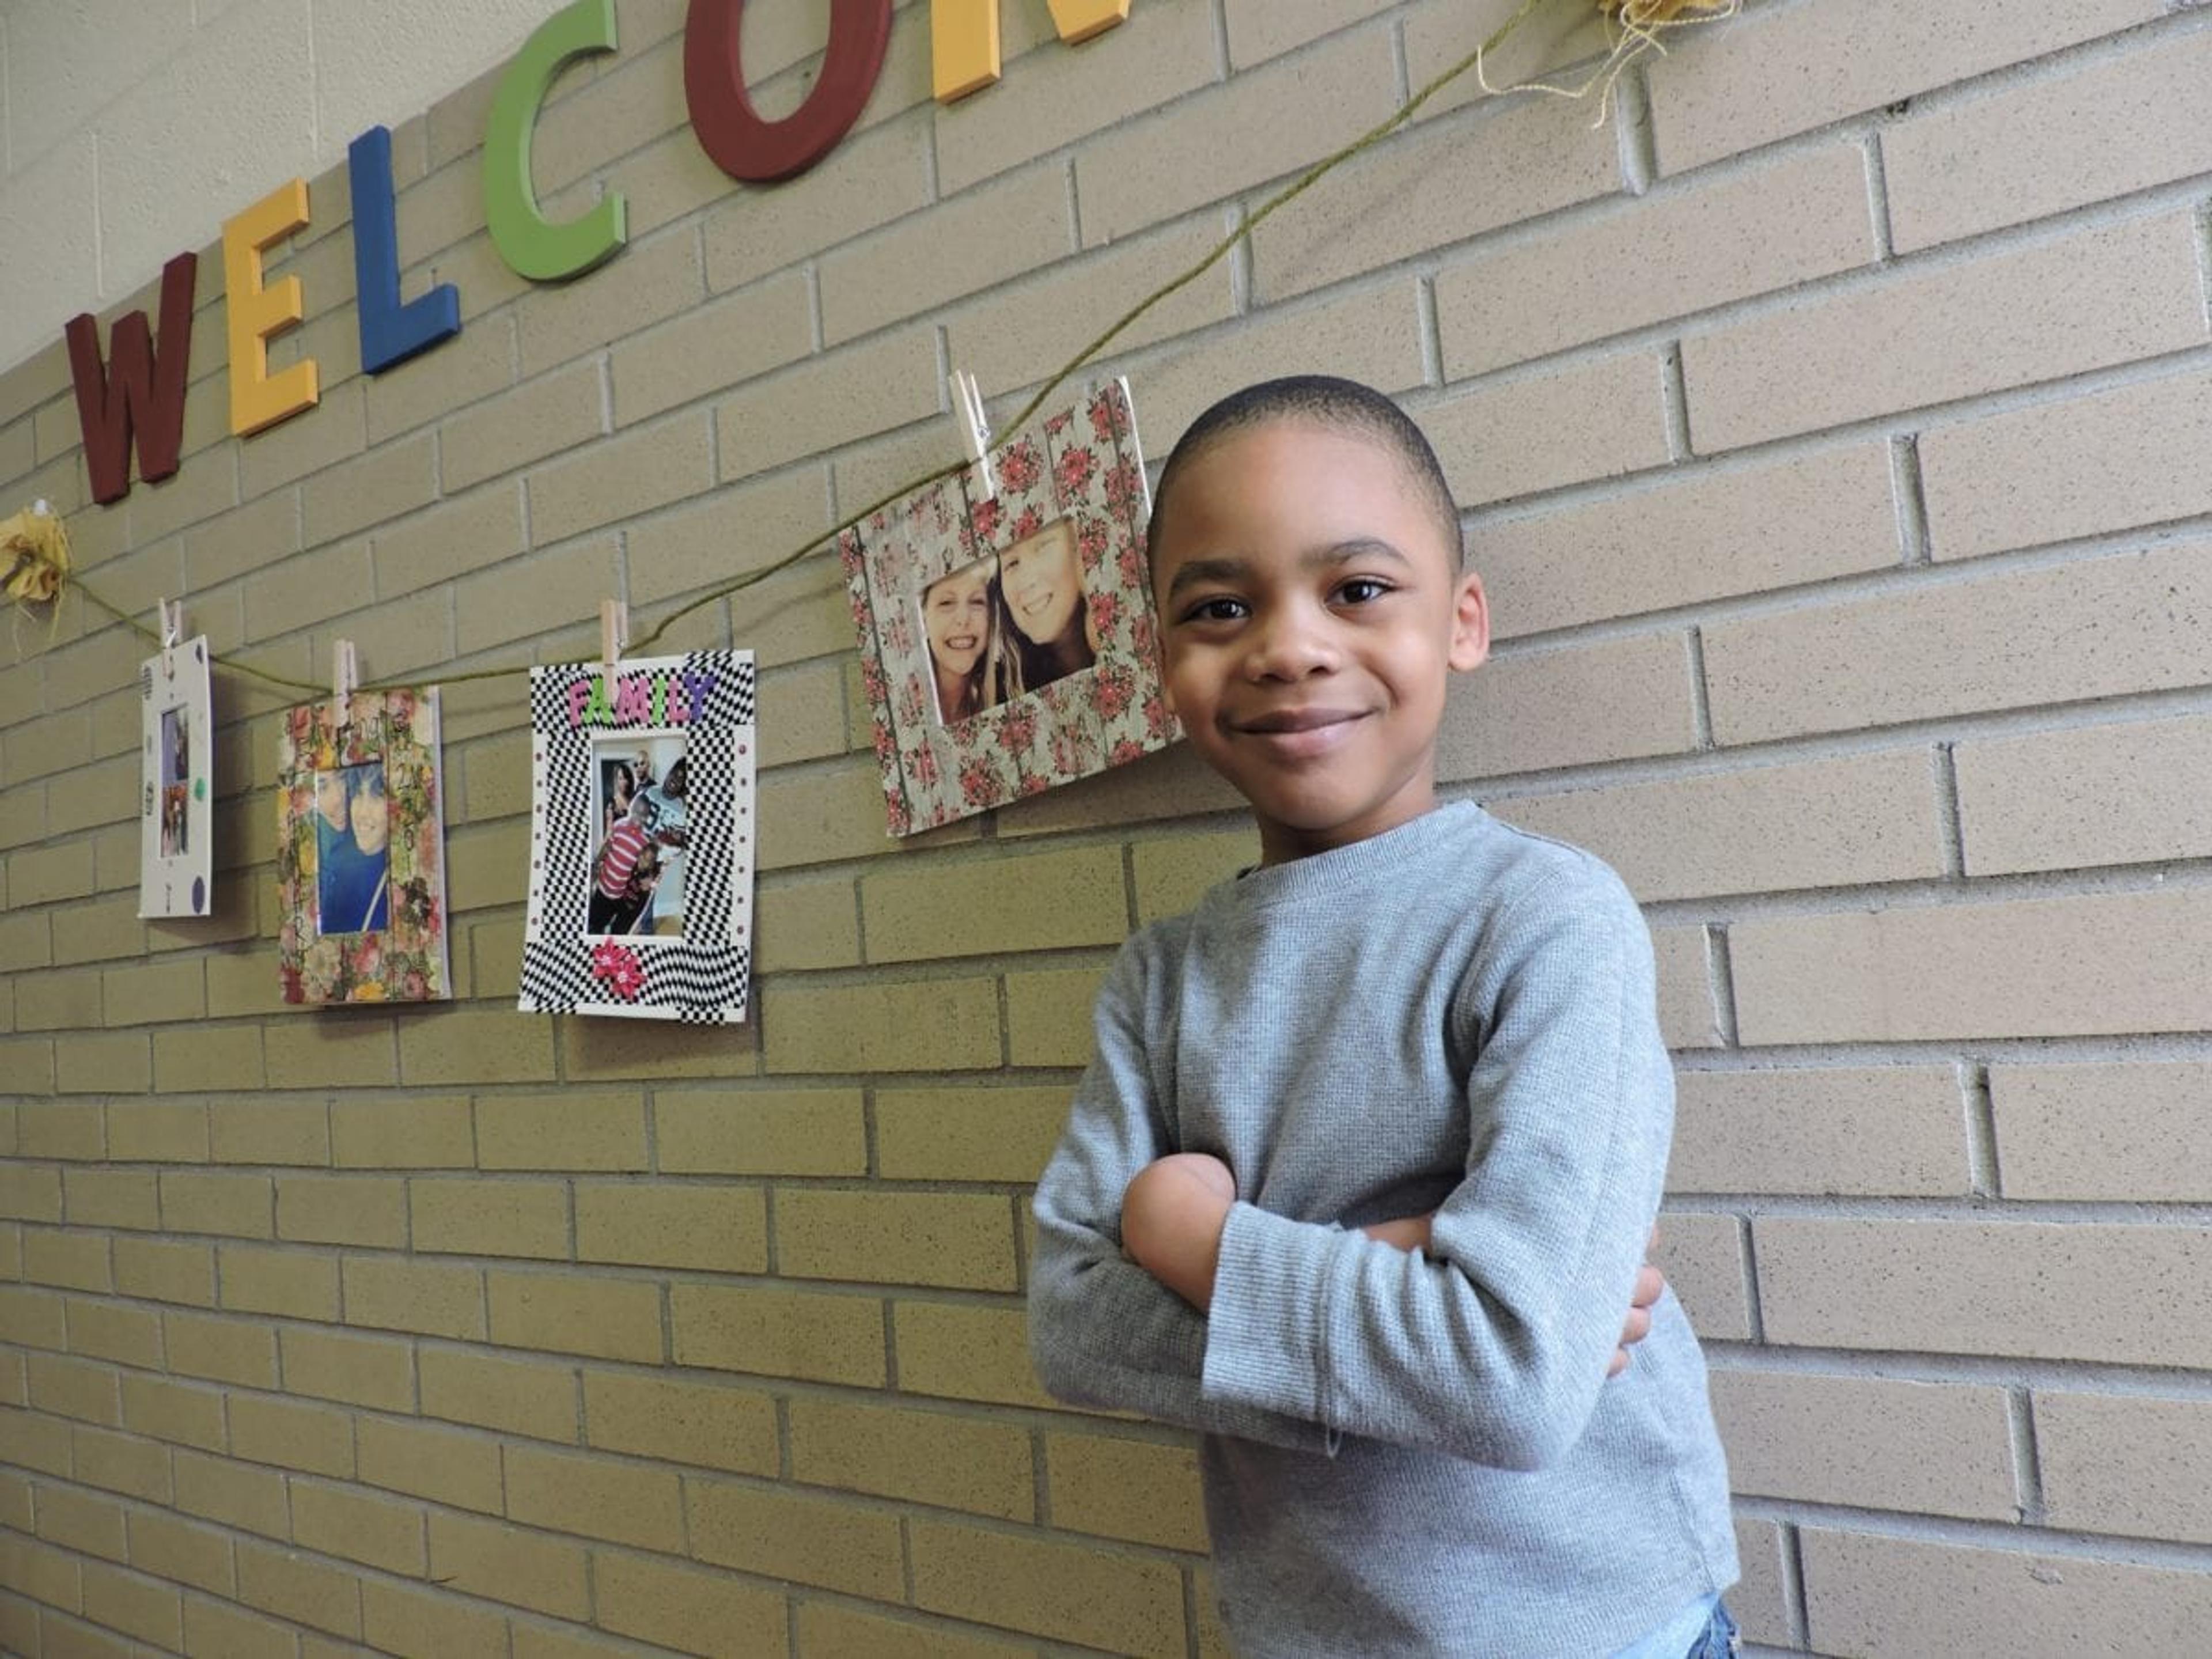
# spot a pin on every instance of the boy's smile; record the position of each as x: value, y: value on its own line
x: 1311, y: 613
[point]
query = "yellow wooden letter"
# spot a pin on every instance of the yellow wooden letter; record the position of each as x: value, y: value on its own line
x: 963, y: 38
x: 258, y: 399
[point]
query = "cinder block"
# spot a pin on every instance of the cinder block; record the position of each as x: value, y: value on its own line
x: 112, y: 1198
x: 2114, y: 1294
x: 966, y: 1350
x: 432, y: 1298
x: 540, y: 418
x: 2094, y: 627
x: 964, y: 1241
x: 828, y: 1629
x: 2112, y: 294
x: 826, y: 401
x: 122, y: 1463
x: 1696, y: 533
x: 181, y: 1551
x: 254, y: 1131
x: 240, y: 1206
x: 822, y: 1337
x: 69, y: 1259
x: 572, y: 1130
x: 689, y: 548
x: 382, y: 484
x: 1172, y: 875
x: 419, y: 1132
x: 606, y: 1051
x: 2094, y: 135
x: 47, y: 1575
x: 714, y: 1229
x: 444, y: 1465
x: 654, y: 280
x: 1887, y: 1130
x: 703, y: 1613
x: 1049, y: 1016
x: 562, y: 1313
x: 1036, y: 902
x: 89, y: 1523
x: 621, y: 477
x: 153, y: 991
x: 250, y: 1500
x: 2105, y: 794
x: 62, y: 1001
x: 869, y: 180
x: 1618, y: 699
x: 830, y: 812
x: 709, y: 1426
x: 342, y: 1210
x: 1140, y: 1490
x: 923, y: 1457
x: 810, y: 1132
x: 208, y: 1059
x: 74, y: 1388
x: 1869, y: 1594
x: 134, y: 1605
x: 1701, y: 1256
x: 1234, y: 135
x: 490, y: 1218
x: 290, y: 1283
x: 2126, y: 1465
x: 317, y: 1439
x: 522, y: 1396
x: 802, y: 713
x: 399, y: 1619
x: 358, y: 1526
x: 334, y: 430
x: 1773, y: 75
x: 42, y: 875
x: 34, y: 1318
x: 120, y: 1062
x: 1069, y: 1592
x: 778, y: 1533
x: 1602, y: 419
x: 241, y: 1350
x: 1872, y: 1443
x: 595, y: 1498
x: 111, y: 1330
x: 2127, y: 1133
x: 507, y: 1564
x: 30, y: 1194
x: 920, y: 1025
x: 2126, y: 962
x: 217, y: 1630
x: 711, y: 347
x: 361, y: 1370
x: 287, y: 1584
x: 967, y: 243
x: 967, y: 1134
x: 450, y: 538
x: 491, y: 609
x: 1853, y: 821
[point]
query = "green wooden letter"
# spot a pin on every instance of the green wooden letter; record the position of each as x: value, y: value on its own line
x: 535, y: 246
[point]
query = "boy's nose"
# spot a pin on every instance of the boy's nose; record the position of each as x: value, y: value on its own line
x: 1290, y: 645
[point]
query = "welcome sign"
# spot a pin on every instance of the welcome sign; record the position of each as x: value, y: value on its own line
x: 135, y: 395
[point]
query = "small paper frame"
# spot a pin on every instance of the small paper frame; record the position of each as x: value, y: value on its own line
x: 387, y: 945
x: 704, y: 702
x: 176, y: 818
x: 1083, y: 469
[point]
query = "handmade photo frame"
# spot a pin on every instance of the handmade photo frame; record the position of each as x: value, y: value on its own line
x: 1007, y: 641
x: 176, y: 818
x: 360, y: 861
x: 641, y: 838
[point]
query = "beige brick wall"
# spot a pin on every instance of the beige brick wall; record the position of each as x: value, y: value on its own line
x: 1829, y: 428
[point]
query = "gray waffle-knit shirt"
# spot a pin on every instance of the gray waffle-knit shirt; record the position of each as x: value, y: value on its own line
x: 1403, y: 1455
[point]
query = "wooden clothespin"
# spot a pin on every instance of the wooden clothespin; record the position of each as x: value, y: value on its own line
x: 173, y: 630
x: 345, y: 674
x: 614, y: 639
x: 974, y: 432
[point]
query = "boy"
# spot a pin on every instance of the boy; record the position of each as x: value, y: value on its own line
x: 1359, y: 1180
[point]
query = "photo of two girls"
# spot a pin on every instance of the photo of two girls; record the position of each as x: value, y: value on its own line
x: 1004, y: 626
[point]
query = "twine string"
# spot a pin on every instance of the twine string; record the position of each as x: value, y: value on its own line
x: 1639, y: 27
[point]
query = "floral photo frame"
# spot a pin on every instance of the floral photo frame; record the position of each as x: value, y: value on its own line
x: 361, y: 863
x: 641, y: 837
x: 1008, y: 642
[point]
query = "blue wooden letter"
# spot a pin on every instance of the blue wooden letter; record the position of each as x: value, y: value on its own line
x: 389, y: 332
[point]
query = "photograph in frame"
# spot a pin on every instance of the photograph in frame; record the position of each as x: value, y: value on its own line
x: 177, y: 758
x: 360, y: 865
x: 642, y: 838
x: 1008, y: 643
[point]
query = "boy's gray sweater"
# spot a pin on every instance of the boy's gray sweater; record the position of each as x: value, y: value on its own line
x: 1403, y: 1455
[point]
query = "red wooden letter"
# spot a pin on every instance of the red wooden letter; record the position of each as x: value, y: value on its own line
x: 732, y: 132
x: 135, y: 390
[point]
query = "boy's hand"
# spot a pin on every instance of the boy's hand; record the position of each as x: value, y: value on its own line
x: 1412, y: 1233
x: 1172, y: 1215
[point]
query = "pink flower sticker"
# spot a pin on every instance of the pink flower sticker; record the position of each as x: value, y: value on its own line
x: 618, y: 964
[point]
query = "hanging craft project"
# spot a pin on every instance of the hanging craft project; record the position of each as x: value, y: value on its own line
x: 641, y: 838
x: 360, y: 865
x: 176, y: 751
x: 1007, y: 639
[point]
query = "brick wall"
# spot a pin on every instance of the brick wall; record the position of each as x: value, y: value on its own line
x: 1829, y: 428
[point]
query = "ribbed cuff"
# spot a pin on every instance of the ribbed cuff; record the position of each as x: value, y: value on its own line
x: 1267, y: 1334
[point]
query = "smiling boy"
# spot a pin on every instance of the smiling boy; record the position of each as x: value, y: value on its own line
x: 1359, y: 1180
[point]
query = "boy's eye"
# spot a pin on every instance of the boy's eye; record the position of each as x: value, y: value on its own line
x: 1360, y: 590
x: 1219, y: 608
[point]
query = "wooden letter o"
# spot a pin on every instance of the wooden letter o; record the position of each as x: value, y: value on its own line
x: 732, y: 132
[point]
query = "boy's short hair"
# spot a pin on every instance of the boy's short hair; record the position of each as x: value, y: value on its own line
x: 1323, y: 400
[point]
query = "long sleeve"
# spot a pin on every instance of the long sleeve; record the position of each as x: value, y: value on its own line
x: 1103, y: 1331
x: 1493, y: 1348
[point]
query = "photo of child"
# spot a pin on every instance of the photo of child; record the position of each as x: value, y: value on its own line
x: 1045, y: 616
x: 175, y: 754
x: 960, y: 621
x: 353, y: 830
x: 637, y: 866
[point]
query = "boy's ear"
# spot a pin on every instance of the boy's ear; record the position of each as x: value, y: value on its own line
x: 1470, y: 636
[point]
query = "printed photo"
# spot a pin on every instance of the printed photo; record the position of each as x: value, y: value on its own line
x: 640, y: 805
x: 960, y: 621
x: 1043, y: 610
x: 352, y: 849
x: 175, y: 756
x: 176, y: 742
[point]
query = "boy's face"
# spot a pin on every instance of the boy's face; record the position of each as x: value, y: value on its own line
x: 1312, y: 612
